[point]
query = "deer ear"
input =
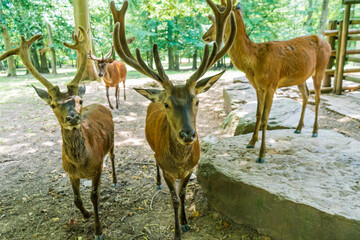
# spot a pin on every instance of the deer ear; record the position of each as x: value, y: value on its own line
x: 151, y: 94
x: 110, y: 60
x: 44, y: 95
x: 82, y: 90
x: 205, y: 84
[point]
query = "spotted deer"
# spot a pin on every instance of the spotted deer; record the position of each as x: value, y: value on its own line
x: 272, y: 65
x: 87, y: 132
x: 171, y: 116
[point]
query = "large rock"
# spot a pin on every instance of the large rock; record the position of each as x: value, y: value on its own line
x: 308, y: 188
x: 237, y: 94
x: 285, y: 113
x: 347, y: 104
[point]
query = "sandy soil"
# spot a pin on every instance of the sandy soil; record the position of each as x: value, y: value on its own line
x: 36, y: 198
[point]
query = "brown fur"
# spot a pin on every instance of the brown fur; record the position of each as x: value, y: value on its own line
x: 276, y: 64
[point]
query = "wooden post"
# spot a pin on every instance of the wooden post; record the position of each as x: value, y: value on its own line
x: 341, y: 59
x: 337, y: 55
x: 331, y: 41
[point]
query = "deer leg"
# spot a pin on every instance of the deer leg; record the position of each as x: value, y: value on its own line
x: 158, y: 177
x: 175, y: 201
x: 112, y: 159
x: 269, y: 95
x: 95, y: 201
x: 107, y: 95
x: 124, y: 89
x: 259, y: 111
x: 305, y: 96
x: 75, y: 183
x: 117, y: 96
x: 182, y: 193
x: 317, y: 85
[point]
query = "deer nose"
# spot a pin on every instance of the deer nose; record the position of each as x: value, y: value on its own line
x: 187, y: 135
x: 73, y: 117
x: 100, y: 74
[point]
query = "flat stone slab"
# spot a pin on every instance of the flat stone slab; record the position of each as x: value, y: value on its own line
x: 285, y: 114
x: 347, y: 104
x: 308, y: 188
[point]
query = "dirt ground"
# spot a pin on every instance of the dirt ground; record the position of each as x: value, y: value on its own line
x: 36, y: 197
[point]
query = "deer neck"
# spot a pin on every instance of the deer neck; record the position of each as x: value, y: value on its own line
x: 243, y: 51
x: 176, y: 149
x: 74, y: 146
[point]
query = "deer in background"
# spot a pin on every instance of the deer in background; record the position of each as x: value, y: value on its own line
x: 87, y: 132
x: 113, y: 72
x: 171, y: 116
x: 273, y: 65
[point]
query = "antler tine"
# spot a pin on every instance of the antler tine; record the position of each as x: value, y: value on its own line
x: 122, y: 49
x: 115, y: 12
x: 159, y: 66
x: 109, y: 54
x: 92, y: 56
x: 22, y: 51
x: 79, y: 45
x: 203, y: 66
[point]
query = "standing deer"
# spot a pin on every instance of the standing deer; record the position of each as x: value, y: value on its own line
x: 171, y: 116
x: 87, y: 132
x: 113, y: 72
x: 273, y: 65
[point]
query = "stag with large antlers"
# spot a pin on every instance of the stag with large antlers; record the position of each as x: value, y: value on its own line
x: 113, y: 73
x: 87, y: 132
x: 273, y: 65
x: 171, y: 116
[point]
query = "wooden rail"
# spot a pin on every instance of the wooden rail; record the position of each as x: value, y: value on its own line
x: 349, y: 70
x: 348, y: 52
x: 335, y: 32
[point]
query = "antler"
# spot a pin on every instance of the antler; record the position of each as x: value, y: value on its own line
x: 217, y: 53
x: 23, y: 53
x: 122, y: 49
x: 80, y: 44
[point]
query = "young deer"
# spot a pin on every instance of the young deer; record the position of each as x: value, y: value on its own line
x: 87, y: 132
x: 273, y: 65
x: 113, y: 72
x: 171, y: 116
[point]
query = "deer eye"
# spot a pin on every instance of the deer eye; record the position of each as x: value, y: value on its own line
x: 166, y: 105
x: 52, y: 106
x: 197, y: 103
x: 81, y: 101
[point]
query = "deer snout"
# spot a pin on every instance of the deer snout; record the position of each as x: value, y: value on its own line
x: 100, y: 74
x: 73, y: 118
x: 187, y: 135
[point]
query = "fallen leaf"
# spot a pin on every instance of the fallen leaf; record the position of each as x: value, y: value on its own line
x: 72, y: 222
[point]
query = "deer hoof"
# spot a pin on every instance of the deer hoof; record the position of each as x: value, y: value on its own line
x: 250, y: 146
x: 260, y: 160
x: 159, y: 187
x: 314, y: 135
x: 100, y: 237
x: 297, y: 131
x: 116, y: 185
x: 185, y: 228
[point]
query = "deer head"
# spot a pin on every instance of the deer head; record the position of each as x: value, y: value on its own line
x: 67, y: 106
x: 180, y: 102
x: 210, y: 35
x: 103, y: 62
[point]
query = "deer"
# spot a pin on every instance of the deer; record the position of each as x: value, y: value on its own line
x: 113, y: 73
x: 272, y: 65
x: 170, y: 127
x: 87, y: 132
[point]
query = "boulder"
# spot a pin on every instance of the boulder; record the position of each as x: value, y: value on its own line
x: 308, y: 188
x: 237, y: 94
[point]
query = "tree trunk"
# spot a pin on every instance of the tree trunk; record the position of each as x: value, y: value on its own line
x: 324, y: 12
x: 194, y: 67
x: 170, y: 47
x: 34, y: 58
x: 310, y: 12
x: 2, y: 67
x: 44, y: 66
x: 7, y: 43
x: 81, y: 15
x: 52, y: 50
x: 151, y: 62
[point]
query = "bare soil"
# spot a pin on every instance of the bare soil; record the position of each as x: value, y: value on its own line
x: 36, y: 197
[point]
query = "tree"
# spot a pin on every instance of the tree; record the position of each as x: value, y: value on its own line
x: 52, y: 50
x: 323, y: 17
x: 7, y: 43
x: 81, y: 15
